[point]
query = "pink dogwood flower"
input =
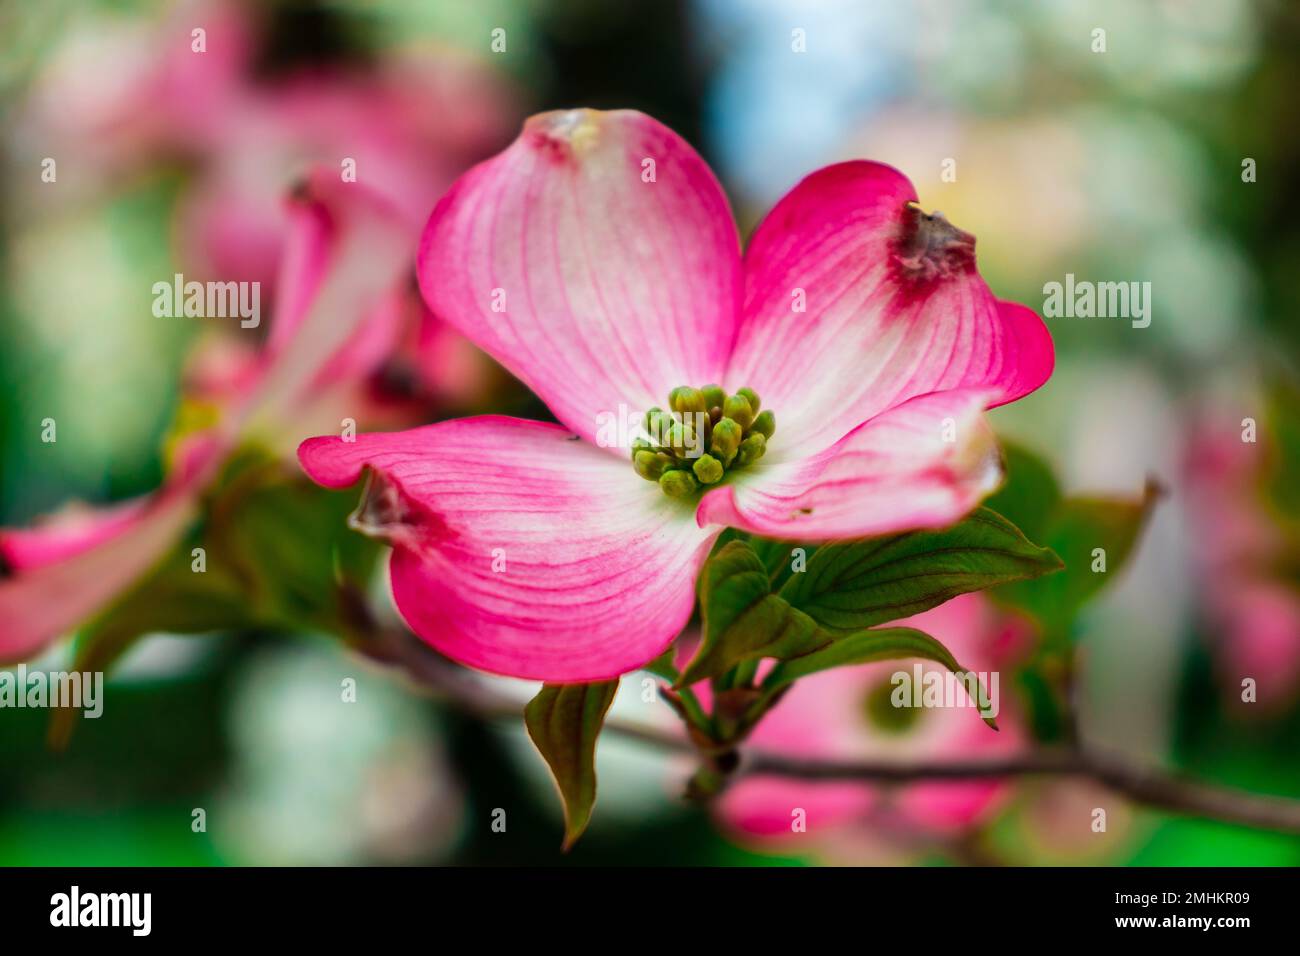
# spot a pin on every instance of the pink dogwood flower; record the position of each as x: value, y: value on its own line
x: 845, y: 714
x: 597, y: 259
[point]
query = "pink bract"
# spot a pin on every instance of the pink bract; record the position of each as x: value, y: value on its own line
x: 596, y: 258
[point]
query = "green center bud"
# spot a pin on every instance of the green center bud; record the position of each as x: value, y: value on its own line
x: 706, y: 435
x: 687, y: 401
x: 678, y: 438
x: 708, y: 469
x: 737, y: 408
x: 678, y: 484
x: 751, y: 449
x: 652, y: 464
x: 654, y: 421
x: 726, y: 439
x: 714, y: 396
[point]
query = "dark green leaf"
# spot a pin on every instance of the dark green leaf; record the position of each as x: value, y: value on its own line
x: 866, y: 647
x: 663, y: 666
x: 1030, y: 495
x: 778, y: 556
x: 564, y: 721
x: 850, y: 586
x: 743, y: 620
x: 1076, y: 531
x: 781, y: 558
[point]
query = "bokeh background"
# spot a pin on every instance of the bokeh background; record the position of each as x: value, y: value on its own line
x: 1119, y: 165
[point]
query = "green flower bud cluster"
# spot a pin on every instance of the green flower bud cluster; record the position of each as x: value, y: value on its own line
x: 704, y: 434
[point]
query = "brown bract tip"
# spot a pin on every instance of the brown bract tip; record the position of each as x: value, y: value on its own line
x: 388, y: 514
x: 931, y: 247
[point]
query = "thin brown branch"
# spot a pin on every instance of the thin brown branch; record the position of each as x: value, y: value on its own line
x: 1161, y: 789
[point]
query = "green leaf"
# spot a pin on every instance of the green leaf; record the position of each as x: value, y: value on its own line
x: 850, y: 586
x: 779, y: 558
x: 777, y: 555
x: 663, y: 666
x: 743, y: 620
x: 1078, y: 528
x: 866, y: 647
x: 564, y: 721
x: 1073, y: 528
x: 1030, y: 495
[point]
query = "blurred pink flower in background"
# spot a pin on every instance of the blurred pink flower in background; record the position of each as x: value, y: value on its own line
x: 1254, y: 615
x: 403, y: 127
x: 408, y: 131
x: 349, y: 336
x: 343, y: 280
x: 837, y: 715
x: 346, y: 301
x: 403, y: 133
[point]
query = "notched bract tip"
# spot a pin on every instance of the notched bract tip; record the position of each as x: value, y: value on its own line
x: 932, y: 247
x: 388, y: 514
